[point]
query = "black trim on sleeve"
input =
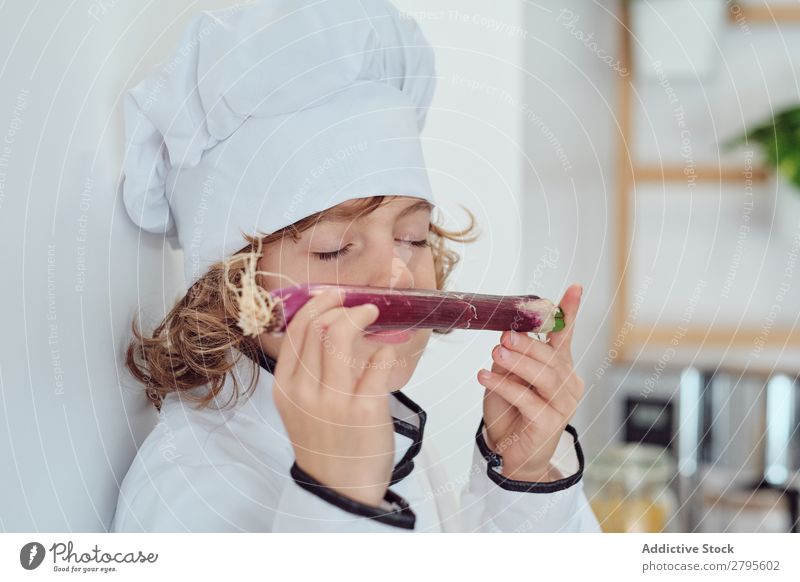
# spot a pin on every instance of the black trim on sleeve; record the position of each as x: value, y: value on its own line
x: 495, y: 462
x: 402, y: 516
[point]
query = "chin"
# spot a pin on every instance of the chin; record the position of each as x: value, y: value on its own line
x: 400, y: 377
x: 401, y: 370
x: 406, y: 360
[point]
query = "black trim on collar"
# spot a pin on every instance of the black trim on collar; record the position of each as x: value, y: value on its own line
x: 266, y: 361
x: 495, y: 461
x: 402, y: 516
x: 405, y: 465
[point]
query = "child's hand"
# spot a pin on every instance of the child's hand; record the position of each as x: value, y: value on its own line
x: 530, y: 397
x: 338, y: 420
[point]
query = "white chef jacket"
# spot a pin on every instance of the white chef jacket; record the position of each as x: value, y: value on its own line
x: 232, y: 470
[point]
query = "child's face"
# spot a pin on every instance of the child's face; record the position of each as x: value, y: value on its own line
x: 374, y: 250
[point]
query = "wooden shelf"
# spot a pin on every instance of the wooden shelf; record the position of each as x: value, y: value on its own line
x: 718, y: 336
x: 642, y: 343
x: 712, y: 174
x: 764, y: 14
x: 644, y: 364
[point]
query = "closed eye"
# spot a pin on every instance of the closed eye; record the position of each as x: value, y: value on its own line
x: 329, y: 256
x: 333, y: 254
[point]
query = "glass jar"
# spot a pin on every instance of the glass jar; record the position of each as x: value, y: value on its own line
x: 628, y: 487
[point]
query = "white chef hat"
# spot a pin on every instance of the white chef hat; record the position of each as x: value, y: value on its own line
x: 273, y: 110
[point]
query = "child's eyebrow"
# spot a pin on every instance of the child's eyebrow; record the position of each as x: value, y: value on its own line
x: 416, y: 207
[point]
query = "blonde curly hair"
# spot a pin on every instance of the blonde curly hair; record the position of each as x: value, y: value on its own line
x: 192, y: 346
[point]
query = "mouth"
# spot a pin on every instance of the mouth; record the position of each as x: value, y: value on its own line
x: 391, y: 336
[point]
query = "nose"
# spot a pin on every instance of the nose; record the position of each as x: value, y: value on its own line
x: 389, y: 265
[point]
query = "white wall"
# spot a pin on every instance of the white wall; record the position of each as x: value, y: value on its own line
x: 70, y: 258
x: 473, y: 147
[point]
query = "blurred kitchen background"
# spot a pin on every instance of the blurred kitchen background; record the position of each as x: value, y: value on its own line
x: 596, y: 142
x: 605, y: 141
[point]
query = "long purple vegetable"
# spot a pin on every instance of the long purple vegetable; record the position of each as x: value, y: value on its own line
x: 421, y: 308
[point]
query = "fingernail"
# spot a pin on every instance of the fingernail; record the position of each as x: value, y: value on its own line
x: 502, y: 352
x: 484, y: 374
x: 513, y: 338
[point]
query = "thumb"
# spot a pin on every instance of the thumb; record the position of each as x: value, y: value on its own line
x: 569, y: 306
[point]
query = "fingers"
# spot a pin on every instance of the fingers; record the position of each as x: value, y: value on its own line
x: 527, y: 401
x: 318, y: 338
x: 498, y: 369
x: 556, y: 389
x: 292, y: 345
x: 531, y: 347
x: 562, y: 340
x: 343, y: 328
x: 309, y: 370
x: 503, y: 412
x: 530, y: 370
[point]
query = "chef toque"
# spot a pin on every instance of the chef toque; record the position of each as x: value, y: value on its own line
x: 270, y: 111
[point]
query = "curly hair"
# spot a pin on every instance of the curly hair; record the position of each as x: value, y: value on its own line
x: 191, y: 347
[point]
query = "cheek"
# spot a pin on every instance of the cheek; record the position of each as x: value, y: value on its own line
x: 424, y: 337
x: 285, y: 268
x: 408, y: 357
x: 424, y: 271
x: 410, y: 353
